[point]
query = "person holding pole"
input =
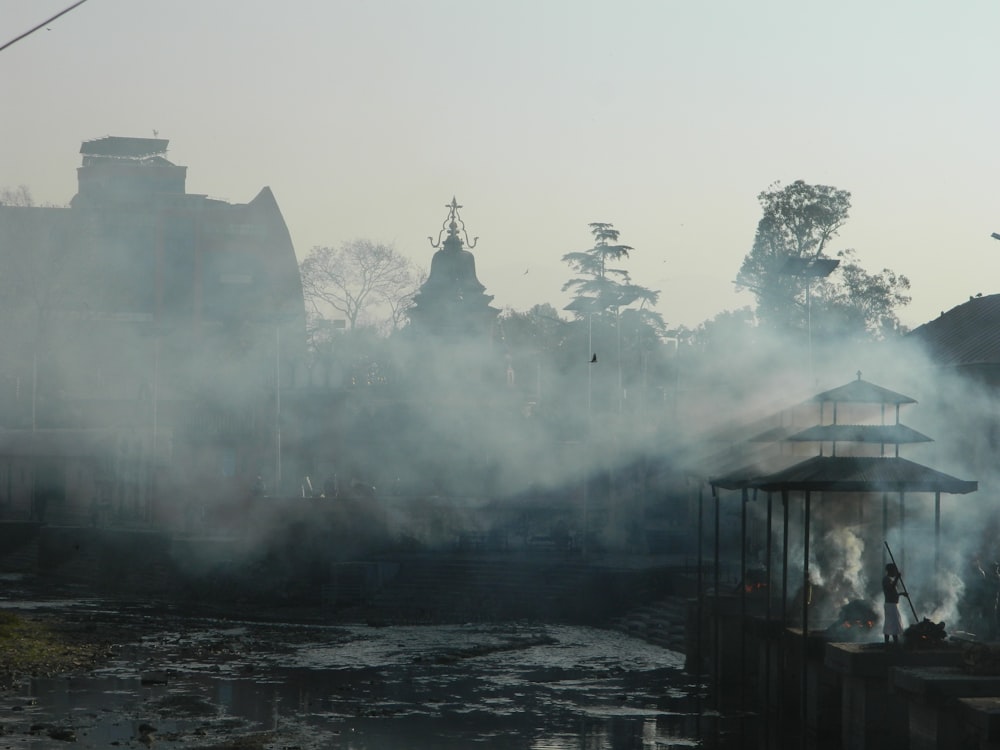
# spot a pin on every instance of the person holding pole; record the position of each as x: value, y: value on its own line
x: 893, y: 624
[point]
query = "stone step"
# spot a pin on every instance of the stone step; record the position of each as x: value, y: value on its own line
x: 661, y: 623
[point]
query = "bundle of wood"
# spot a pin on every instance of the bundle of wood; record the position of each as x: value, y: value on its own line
x: 925, y: 633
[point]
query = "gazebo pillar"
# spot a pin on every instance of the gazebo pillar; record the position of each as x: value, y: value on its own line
x: 716, y: 646
x: 885, y: 521
x: 937, y: 533
x: 902, y: 531
x: 784, y: 558
x: 767, y: 617
x: 744, y: 499
x: 804, y: 704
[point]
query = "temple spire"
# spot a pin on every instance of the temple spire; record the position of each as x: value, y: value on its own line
x: 452, y: 300
x: 453, y: 224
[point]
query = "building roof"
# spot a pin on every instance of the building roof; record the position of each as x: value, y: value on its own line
x: 862, y: 392
x: 745, y: 477
x: 968, y: 334
x: 895, y: 434
x: 843, y: 473
x: 114, y: 145
x: 772, y: 435
x: 851, y: 474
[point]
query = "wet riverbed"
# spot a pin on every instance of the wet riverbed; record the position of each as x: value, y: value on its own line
x: 195, y: 682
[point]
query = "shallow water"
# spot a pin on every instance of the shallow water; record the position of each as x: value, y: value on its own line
x: 509, y: 686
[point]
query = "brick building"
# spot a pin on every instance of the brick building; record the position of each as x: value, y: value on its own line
x: 148, y: 333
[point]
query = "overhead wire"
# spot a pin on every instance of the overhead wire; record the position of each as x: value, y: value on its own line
x: 31, y: 31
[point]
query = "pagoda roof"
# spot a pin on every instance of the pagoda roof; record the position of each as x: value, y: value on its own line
x: 862, y: 392
x: 896, y: 434
x: 850, y: 474
x: 773, y: 435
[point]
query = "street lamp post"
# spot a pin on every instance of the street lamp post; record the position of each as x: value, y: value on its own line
x: 277, y: 408
x: 590, y: 396
x: 813, y: 267
x: 156, y: 331
x: 153, y: 448
x: 590, y: 370
x: 587, y: 306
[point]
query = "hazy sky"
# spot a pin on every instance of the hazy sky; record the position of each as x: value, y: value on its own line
x: 664, y: 118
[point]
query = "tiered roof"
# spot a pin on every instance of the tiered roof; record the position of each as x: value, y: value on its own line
x: 849, y: 473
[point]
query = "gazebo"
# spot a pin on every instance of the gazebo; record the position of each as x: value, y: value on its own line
x: 858, y: 458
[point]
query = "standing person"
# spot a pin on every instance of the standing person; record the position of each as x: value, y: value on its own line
x: 893, y: 625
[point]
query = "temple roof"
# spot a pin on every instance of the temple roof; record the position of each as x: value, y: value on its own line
x: 839, y: 473
x: 862, y: 392
x: 452, y: 299
x: 849, y: 474
x: 896, y: 434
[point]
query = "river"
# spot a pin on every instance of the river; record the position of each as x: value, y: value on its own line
x: 198, y: 682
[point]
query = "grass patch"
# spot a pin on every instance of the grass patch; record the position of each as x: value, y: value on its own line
x: 30, y: 648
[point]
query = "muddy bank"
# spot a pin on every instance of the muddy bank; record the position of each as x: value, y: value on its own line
x: 46, y: 645
x: 124, y: 673
x: 107, y: 665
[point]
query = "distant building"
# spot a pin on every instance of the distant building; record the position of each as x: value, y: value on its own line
x: 165, y: 319
x: 965, y: 339
x: 452, y: 302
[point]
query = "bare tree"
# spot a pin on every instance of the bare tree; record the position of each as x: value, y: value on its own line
x: 399, y: 308
x: 358, y: 277
x: 19, y: 196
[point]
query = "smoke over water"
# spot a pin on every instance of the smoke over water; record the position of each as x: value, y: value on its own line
x: 176, y: 341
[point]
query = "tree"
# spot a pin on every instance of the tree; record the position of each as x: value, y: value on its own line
x: 535, y: 343
x: 600, y: 287
x: 787, y: 268
x: 601, y: 293
x: 863, y: 302
x: 537, y: 330
x: 19, y: 197
x: 358, y: 277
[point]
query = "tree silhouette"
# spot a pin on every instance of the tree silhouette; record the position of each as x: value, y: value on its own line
x: 356, y: 278
x: 798, y: 284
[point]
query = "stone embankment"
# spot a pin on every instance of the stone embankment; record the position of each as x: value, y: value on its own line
x: 661, y: 622
x: 637, y: 595
x: 459, y: 590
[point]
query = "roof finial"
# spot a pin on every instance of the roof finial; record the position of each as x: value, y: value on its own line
x: 451, y: 223
x: 859, y: 374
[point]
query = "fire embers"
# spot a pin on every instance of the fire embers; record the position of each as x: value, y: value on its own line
x: 854, y: 623
x: 755, y: 582
x: 925, y: 633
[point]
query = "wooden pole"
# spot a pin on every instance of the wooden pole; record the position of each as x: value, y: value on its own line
x: 902, y: 582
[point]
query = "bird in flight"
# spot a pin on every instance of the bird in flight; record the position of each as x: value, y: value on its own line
x: 593, y: 359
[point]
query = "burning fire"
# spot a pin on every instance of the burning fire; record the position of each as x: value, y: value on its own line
x: 855, y: 621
